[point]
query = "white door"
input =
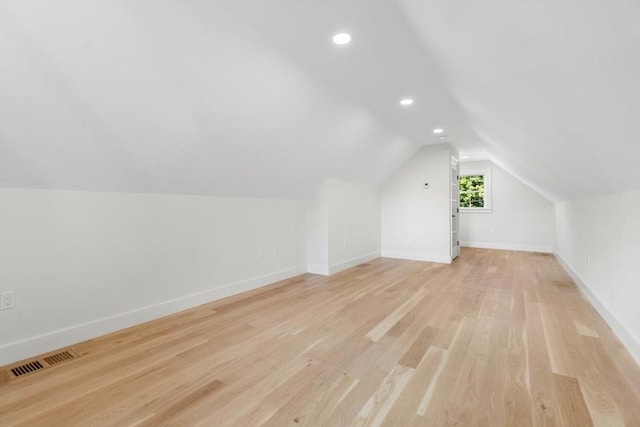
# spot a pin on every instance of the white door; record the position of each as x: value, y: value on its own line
x: 455, y: 209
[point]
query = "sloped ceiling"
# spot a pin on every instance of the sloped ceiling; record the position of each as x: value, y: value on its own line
x: 251, y: 98
x: 552, y: 88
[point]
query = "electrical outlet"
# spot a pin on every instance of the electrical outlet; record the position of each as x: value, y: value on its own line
x: 7, y: 300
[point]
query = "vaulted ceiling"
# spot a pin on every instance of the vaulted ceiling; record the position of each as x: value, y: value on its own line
x: 251, y: 98
x: 551, y: 88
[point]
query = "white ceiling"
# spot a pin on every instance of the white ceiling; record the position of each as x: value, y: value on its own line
x: 552, y: 88
x: 251, y: 98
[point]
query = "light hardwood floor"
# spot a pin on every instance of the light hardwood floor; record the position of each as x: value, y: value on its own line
x: 498, y: 338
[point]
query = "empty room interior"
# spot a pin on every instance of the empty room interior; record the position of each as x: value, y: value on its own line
x: 321, y: 213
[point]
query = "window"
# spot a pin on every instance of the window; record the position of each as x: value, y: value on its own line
x: 475, y: 190
x: 472, y: 191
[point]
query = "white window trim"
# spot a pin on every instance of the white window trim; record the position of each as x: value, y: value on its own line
x: 486, y: 172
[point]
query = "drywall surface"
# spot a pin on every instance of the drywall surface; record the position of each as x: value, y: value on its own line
x: 317, y: 227
x: 342, y: 225
x: 209, y: 97
x: 537, y: 82
x: 598, y: 240
x: 354, y: 224
x: 520, y: 218
x: 415, y: 220
x: 84, y: 263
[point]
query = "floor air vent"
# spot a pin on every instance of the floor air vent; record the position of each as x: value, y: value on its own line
x: 27, y: 368
x: 42, y: 362
x: 60, y: 357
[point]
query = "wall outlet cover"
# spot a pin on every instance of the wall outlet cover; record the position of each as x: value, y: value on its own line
x: 7, y: 300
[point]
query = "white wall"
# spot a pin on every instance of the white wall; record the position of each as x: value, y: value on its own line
x: 354, y: 224
x: 343, y: 226
x: 414, y: 220
x: 83, y: 264
x: 317, y: 227
x: 520, y: 219
x: 598, y: 240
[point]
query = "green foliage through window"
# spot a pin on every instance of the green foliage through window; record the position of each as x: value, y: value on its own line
x: 472, y: 191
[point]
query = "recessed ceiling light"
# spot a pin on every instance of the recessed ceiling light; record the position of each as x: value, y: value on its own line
x: 465, y: 157
x: 342, y: 38
x: 406, y: 101
x: 438, y: 130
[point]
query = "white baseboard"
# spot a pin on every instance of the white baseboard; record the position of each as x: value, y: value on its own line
x: 508, y: 246
x: 417, y: 256
x: 621, y: 332
x: 353, y: 262
x: 326, y: 270
x: 36, y: 345
x: 318, y: 269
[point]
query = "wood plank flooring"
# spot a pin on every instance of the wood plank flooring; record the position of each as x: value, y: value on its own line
x: 498, y: 338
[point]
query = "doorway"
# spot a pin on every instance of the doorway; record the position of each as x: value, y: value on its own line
x: 455, y: 208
